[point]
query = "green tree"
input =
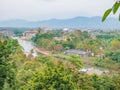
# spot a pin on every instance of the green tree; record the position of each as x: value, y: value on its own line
x: 54, y: 78
x: 8, y: 49
x: 4, y: 58
x: 115, y: 56
x: 102, y: 83
x: 76, y: 61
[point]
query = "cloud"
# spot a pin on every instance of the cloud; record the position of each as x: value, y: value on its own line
x: 45, y: 9
x: 49, y: 0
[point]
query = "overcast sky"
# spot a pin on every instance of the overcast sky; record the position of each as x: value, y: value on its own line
x: 46, y: 9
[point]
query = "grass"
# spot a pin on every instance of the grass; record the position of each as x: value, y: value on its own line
x: 87, y: 61
x: 90, y: 62
x: 62, y: 56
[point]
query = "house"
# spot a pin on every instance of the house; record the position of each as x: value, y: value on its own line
x: 45, y: 29
x: 66, y: 30
x: 6, y: 32
x: 30, y: 33
x: 92, y: 34
x: 77, y: 52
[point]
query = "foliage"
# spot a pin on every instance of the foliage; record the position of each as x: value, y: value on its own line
x: 99, y: 61
x: 115, y: 56
x: 59, y: 71
x: 44, y: 35
x: 76, y: 60
x: 18, y: 32
x: 7, y: 66
x: 114, y: 9
x: 105, y: 37
x: 115, y: 45
x: 102, y: 83
x: 71, y: 40
x: 54, y: 78
x: 4, y: 58
x: 44, y: 41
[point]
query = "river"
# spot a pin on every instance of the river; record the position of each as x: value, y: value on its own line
x: 27, y: 46
x: 94, y: 71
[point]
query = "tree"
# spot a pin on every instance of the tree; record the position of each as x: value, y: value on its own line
x: 76, y: 61
x: 115, y: 45
x: 115, y: 56
x: 4, y: 58
x: 8, y: 50
x: 53, y: 78
x: 2, y: 66
x: 102, y: 82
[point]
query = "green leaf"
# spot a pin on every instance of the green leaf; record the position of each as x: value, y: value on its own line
x: 106, y: 14
x: 115, y: 8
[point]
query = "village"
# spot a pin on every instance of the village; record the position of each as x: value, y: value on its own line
x: 28, y: 34
x: 30, y: 48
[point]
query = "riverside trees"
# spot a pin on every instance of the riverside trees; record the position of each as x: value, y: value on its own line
x: 8, y: 48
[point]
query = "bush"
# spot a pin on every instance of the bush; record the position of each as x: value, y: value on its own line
x: 115, y: 56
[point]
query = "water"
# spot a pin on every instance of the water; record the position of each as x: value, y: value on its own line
x: 27, y: 46
x: 93, y: 71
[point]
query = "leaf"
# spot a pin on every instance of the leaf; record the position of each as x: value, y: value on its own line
x: 115, y: 8
x: 106, y: 14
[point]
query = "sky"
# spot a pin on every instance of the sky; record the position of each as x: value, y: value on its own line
x: 35, y: 10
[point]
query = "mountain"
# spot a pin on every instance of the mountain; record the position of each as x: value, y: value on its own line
x: 77, y: 22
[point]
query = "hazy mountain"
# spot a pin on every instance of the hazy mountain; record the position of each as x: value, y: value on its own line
x: 77, y: 22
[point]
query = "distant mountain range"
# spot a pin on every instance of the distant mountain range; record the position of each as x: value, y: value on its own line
x: 77, y: 22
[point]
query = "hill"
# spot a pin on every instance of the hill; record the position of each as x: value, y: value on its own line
x: 77, y: 22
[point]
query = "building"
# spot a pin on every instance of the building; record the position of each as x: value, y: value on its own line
x: 65, y: 30
x: 30, y: 33
x: 45, y: 29
x: 6, y: 32
x: 77, y: 52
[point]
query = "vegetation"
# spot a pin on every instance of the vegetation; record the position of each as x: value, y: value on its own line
x: 8, y: 68
x: 59, y: 71
x: 115, y: 56
x: 114, y: 9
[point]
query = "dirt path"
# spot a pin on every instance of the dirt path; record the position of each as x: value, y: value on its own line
x: 45, y: 52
